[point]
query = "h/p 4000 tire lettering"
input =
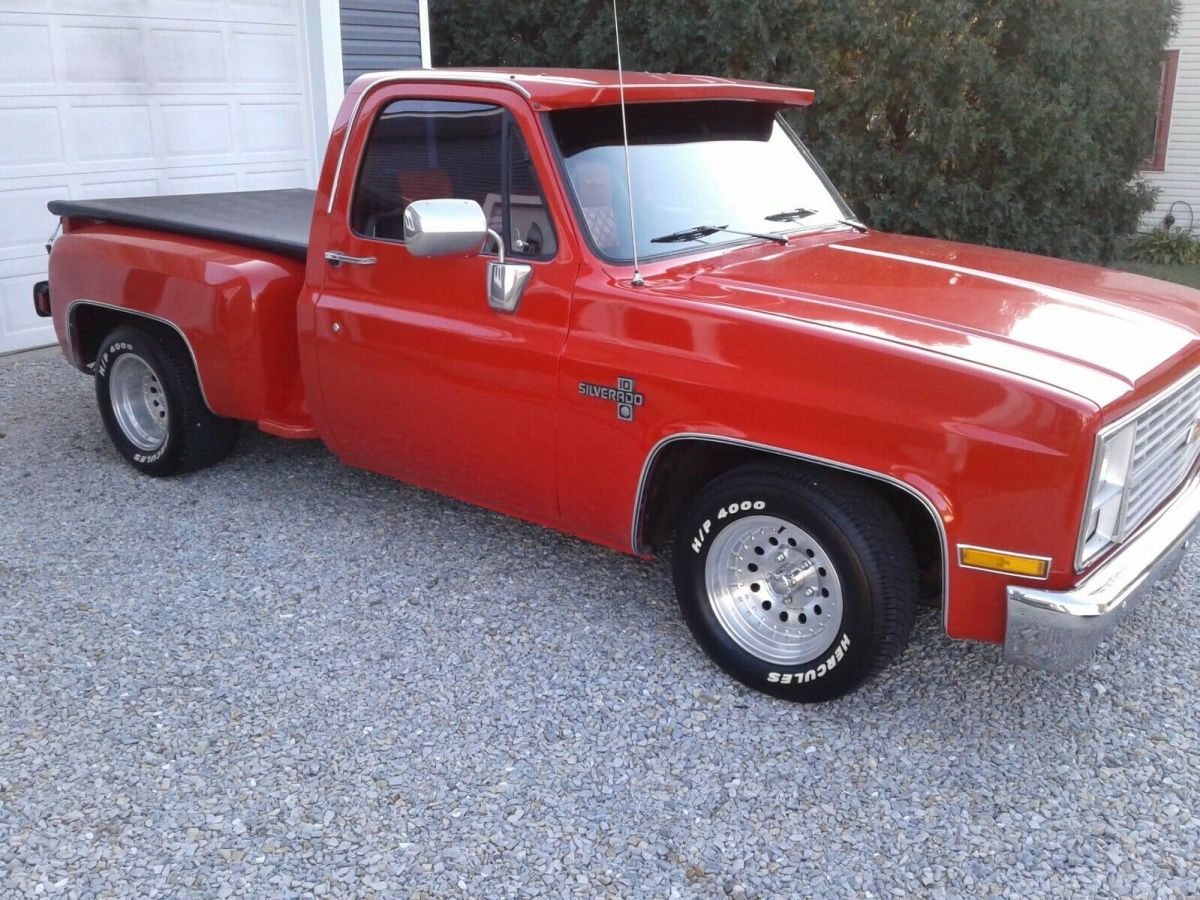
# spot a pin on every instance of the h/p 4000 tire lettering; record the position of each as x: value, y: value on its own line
x: 797, y: 584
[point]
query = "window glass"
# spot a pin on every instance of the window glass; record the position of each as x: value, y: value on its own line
x: 702, y: 163
x: 430, y: 149
x: 528, y: 228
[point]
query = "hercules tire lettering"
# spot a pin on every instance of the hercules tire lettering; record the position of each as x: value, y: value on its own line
x: 866, y: 545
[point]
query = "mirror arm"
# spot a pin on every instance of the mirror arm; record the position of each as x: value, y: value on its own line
x: 495, y: 236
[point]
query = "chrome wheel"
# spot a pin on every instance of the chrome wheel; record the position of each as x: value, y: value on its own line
x: 138, y: 402
x: 774, y: 590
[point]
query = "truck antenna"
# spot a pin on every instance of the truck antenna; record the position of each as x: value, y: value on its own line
x: 637, y: 280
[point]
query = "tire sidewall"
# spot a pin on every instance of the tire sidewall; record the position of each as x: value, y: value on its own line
x: 835, y: 670
x: 125, y: 341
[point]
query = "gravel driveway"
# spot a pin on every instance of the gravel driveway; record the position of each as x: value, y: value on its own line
x: 284, y: 677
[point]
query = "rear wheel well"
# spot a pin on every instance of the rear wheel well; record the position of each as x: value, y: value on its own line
x: 683, y: 467
x: 89, y: 324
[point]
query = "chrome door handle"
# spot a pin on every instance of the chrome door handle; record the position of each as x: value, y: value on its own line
x: 336, y: 258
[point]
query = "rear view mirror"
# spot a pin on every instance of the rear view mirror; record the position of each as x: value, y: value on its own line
x: 444, y: 228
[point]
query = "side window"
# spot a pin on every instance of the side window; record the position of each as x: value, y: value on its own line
x: 528, y: 230
x: 428, y: 149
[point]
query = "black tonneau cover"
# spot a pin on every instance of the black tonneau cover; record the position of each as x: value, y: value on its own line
x: 277, y: 221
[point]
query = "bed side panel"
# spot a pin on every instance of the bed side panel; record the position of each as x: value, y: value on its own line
x: 236, y: 308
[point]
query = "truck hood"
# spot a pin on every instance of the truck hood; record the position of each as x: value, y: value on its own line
x: 1097, y: 333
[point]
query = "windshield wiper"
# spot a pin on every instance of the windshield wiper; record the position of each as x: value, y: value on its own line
x: 789, y: 215
x: 702, y: 231
x: 795, y: 215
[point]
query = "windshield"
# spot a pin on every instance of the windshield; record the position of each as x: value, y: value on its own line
x: 700, y: 170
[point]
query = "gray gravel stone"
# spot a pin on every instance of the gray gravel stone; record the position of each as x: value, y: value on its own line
x: 284, y: 677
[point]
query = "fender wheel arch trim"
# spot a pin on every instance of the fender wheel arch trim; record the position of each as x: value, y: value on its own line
x: 640, y: 497
x: 71, y: 334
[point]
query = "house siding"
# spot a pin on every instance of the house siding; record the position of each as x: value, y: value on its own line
x: 1181, y: 178
x: 379, y: 35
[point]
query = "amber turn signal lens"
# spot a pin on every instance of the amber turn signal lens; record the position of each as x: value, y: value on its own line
x: 1008, y: 563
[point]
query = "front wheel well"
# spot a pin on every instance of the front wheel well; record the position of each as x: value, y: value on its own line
x: 681, y: 468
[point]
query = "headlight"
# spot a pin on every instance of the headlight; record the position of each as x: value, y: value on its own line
x: 1104, y: 511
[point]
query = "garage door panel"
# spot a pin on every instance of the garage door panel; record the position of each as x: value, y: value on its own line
x: 27, y: 223
x: 204, y: 51
x: 263, y: 57
x: 103, y: 133
x: 19, y: 325
x: 201, y: 184
x: 26, y: 60
x: 102, y: 190
x: 266, y: 127
x: 196, y: 129
x: 274, y: 180
x: 30, y: 139
x: 103, y: 55
x: 272, y: 11
x: 109, y: 98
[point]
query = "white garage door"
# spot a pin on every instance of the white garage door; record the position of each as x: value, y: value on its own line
x: 119, y: 98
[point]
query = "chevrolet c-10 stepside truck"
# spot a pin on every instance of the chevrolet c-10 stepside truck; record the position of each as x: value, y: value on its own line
x: 828, y: 424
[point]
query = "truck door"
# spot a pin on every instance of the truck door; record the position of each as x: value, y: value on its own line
x: 421, y: 379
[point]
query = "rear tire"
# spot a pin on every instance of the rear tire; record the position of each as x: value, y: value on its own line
x: 152, y: 406
x: 798, y: 584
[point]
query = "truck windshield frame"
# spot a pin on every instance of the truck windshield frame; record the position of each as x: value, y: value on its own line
x: 694, y: 163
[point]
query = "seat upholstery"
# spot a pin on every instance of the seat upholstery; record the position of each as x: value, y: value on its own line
x: 413, y: 185
x: 594, y: 188
x: 424, y: 184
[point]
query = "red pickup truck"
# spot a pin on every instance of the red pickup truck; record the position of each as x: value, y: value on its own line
x: 829, y: 424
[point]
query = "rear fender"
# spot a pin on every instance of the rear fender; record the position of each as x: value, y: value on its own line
x: 235, y: 312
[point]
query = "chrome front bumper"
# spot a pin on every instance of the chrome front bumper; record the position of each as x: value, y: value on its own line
x: 1058, y: 630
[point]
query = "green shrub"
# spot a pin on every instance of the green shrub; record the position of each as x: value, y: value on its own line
x: 1017, y: 123
x: 1169, y: 246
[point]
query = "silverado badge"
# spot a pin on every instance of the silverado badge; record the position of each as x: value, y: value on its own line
x: 626, y: 398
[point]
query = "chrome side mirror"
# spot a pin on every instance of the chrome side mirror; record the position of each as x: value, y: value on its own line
x: 444, y: 228
x: 459, y: 228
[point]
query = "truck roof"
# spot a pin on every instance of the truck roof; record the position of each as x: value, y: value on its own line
x: 565, y: 88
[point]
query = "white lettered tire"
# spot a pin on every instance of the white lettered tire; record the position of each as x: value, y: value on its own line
x: 797, y: 582
x: 152, y: 406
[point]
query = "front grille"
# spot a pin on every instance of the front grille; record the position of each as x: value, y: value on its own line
x: 1162, y: 453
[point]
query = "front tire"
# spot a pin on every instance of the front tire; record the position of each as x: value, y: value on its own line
x: 152, y: 406
x: 799, y: 585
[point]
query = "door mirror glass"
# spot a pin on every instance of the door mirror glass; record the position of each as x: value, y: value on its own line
x: 444, y: 228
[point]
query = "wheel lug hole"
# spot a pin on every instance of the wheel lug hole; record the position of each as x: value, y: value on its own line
x: 783, y: 616
x: 817, y: 609
x: 803, y: 619
x: 766, y: 604
x: 756, y: 587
